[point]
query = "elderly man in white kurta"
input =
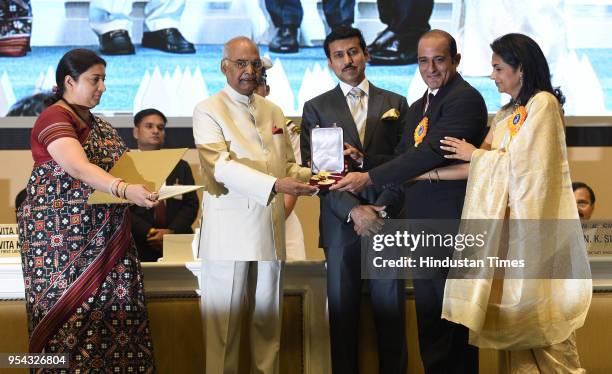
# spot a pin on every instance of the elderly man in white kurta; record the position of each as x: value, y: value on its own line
x: 246, y: 160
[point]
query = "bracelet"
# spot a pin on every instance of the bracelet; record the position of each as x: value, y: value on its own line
x: 437, y: 175
x: 111, y: 185
x: 124, y: 190
x: 429, y: 176
x: 118, y: 188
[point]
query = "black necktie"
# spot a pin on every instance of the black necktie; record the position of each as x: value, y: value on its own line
x: 429, y: 100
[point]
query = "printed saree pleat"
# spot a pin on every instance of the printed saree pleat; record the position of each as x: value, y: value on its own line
x: 84, y: 289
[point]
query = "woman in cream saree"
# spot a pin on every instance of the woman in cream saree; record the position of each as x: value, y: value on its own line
x: 521, y: 174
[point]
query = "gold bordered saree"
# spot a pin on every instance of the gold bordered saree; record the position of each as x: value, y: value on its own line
x: 524, y: 177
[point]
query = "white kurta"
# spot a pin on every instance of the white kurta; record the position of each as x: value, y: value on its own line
x: 244, y: 147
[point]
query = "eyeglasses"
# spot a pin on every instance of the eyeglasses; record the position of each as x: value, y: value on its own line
x: 242, y: 64
x: 583, y: 205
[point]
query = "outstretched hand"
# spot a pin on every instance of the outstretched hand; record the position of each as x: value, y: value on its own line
x: 353, y: 182
x: 292, y: 186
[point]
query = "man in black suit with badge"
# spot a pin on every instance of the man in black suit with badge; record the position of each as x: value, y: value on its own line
x: 373, y: 121
x: 450, y: 107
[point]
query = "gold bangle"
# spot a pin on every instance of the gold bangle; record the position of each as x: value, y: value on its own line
x: 125, y: 190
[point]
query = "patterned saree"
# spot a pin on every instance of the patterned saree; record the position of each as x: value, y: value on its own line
x: 15, y: 27
x: 83, y: 281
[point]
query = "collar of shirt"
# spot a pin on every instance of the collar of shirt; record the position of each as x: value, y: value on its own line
x: 364, y: 85
x: 235, y: 95
x: 433, y: 92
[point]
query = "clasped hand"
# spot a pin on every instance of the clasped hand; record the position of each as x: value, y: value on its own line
x: 367, y: 219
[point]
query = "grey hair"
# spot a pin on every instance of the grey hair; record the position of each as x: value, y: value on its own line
x: 226, y: 46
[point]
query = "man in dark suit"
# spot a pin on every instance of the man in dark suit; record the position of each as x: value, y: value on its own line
x: 372, y: 121
x: 171, y: 216
x: 452, y: 108
x: 287, y: 16
x: 406, y: 21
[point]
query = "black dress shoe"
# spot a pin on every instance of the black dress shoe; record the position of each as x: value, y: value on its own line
x: 382, y: 40
x: 167, y: 40
x: 393, y: 55
x: 285, y: 40
x: 116, y: 42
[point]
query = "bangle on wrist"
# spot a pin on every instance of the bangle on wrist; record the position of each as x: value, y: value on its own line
x: 125, y: 190
x: 429, y: 176
x: 111, y: 185
x: 437, y: 175
x: 116, y: 188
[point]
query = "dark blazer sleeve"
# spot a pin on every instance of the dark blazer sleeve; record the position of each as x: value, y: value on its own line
x: 188, y: 208
x: 340, y: 203
x: 372, y: 161
x: 462, y: 116
x: 393, y: 196
x: 310, y: 119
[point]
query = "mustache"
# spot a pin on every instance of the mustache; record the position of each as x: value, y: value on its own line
x: 247, y: 76
x: 349, y: 66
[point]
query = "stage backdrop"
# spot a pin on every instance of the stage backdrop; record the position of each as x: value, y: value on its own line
x: 574, y: 35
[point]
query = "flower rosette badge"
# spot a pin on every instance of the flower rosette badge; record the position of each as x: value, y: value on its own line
x: 516, y: 120
x: 420, y: 131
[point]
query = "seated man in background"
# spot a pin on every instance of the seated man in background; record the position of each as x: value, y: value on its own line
x: 171, y: 216
x: 585, y: 199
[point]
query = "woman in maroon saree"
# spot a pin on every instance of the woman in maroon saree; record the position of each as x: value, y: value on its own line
x: 83, y: 281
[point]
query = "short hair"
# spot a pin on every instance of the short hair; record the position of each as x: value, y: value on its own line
x: 577, y: 185
x: 520, y: 51
x: 452, y: 43
x: 343, y: 32
x: 147, y: 112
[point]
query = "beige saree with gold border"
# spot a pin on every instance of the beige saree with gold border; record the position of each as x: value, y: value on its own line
x: 522, y: 177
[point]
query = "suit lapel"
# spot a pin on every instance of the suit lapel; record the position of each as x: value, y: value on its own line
x: 344, y: 116
x: 375, y: 101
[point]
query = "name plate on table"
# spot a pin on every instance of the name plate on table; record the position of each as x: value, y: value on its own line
x: 177, y: 248
x: 327, y: 154
x: 8, y: 229
x: 598, y: 238
x: 10, y: 249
